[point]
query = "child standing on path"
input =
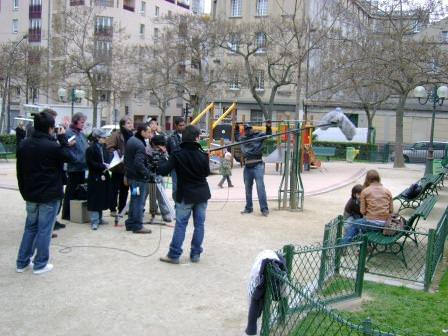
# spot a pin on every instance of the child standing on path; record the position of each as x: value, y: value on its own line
x: 225, y: 169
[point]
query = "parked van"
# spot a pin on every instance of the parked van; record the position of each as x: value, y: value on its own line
x: 417, y: 152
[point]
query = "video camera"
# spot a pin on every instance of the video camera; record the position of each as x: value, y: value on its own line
x: 155, y: 157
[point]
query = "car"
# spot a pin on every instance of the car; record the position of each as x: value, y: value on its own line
x: 110, y: 128
x: 416, y: 153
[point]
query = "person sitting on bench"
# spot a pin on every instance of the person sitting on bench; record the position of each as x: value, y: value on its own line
x: 376, y: 206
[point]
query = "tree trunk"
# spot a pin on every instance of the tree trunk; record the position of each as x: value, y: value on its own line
x: 2, y: 117
x: 95, y: 113
x: 296, y: 115
x: 398, y: 148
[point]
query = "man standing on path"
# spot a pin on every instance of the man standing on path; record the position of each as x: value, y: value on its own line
x: 137, y: 174
x: 253, y: 170
x: 192, y: 168
x: 40, y: 161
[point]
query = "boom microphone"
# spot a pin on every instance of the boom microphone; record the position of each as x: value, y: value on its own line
x: 339, y: 119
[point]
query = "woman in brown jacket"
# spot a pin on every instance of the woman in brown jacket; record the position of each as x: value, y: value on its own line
x: 117, y: 142
x: 376, y: 206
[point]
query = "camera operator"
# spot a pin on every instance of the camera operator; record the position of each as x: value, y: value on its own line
x: 157, y: 154
x: 137, y: 173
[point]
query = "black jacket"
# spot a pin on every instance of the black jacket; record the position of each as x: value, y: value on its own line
x: 192, y: 167
x: 352, y: 209
x: 252, y: 150
x: 98, y: 182
x: 136, y: 160
x: 173, y: 142
x: 40, y: 161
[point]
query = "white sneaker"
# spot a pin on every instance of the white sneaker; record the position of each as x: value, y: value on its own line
x: 21, y: 270
x: 47, y: 268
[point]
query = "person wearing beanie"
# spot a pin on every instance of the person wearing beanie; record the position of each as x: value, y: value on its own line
x: 225, y: 169
x: 98, y: 181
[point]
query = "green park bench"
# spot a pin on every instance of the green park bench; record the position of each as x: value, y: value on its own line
x: 3, y: 153
x: 379, y: 243
x: 414, y: 202
x: 325, y: 151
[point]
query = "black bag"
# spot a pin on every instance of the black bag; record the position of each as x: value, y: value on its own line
x: 413, y: 191
x: 80, y: 192
x: 394, y: 223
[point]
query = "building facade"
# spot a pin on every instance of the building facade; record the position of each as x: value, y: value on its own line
x: 138, y: 18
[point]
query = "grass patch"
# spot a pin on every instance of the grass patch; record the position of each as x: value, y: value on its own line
x: 407, y: 309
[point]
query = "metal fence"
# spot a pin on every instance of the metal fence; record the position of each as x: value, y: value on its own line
x: 290, y: 310
x: 414, y: 260
x: 436, y: 247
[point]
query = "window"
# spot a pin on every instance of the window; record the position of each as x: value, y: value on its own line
x: 261, y: 42
x: 157, y: 12
x: 444, y: 35
x: 103, y: 48
x: 35, y: 24
x: 156, y: 33
x: 234, y: 83
x: 103, y: 25
x: 15, y: 26
x: 259, y: 80
x: 15, y: 5
x: 262, y: 7
x: 170, y: 13
x: 142, y: 31
x: 143, y: 8
x: 104, y: 3
x: 234, y: 43
x: 256, y: 117
x: 236, y: 8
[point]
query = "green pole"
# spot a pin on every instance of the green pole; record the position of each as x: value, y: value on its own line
x: 361, y: 267
x: 429, y: 258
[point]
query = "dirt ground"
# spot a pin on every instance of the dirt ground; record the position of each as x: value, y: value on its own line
x: 100, y: 291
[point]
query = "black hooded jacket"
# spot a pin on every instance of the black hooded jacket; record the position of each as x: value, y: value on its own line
x: 40, y: 161
x: 192, y: 168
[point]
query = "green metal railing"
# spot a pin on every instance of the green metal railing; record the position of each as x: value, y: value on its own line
x: 422, y: 253
x: 436, y: 247
x: 290, y: 310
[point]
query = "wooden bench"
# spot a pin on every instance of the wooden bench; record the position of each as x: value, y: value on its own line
x: 3, y: 153
x: 379, y: 243
x: 325, y: 151
x: 414, y: 202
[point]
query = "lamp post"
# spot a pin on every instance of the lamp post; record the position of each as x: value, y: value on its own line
x: 7, y: 86
x: 436, y: 97
x: 186, y: 111
x: 75, y: 94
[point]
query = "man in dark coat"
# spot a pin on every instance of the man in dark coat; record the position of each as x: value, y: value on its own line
x: 192, y: 168
x: 173, y: 144
x: 254, y: 170
x: 137, y: 174
x: 40, y: 160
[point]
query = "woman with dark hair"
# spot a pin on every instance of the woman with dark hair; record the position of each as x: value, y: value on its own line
x: 98, y: 182
x: 376, y: 205
x: 117, y: 142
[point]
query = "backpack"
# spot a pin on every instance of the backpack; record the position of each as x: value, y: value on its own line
x: 413, y: 191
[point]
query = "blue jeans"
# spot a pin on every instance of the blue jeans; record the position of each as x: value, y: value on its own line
x: 136, y: 206
x: 174, y: 183
x: 360, y: 226
x: 250, y: 174
x: 183, y: 212
x: 40, y: 219
x: 96, y: 217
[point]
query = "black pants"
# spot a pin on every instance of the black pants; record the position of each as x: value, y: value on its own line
x: 224, y: 178
x: 74, y: 179
x: 119, y: 191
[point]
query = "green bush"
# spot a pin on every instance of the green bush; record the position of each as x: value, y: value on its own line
x: 367, y: 152
x: 8, y: 139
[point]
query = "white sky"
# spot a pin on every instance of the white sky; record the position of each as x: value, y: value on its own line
x: 207, y: 6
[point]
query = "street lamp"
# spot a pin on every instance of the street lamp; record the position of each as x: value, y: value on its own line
x: 7, y: 86
x: 75, y: 94
x: 436, y: 97
x: 186, y: 111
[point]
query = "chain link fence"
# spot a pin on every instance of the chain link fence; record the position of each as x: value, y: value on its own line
x: 413, y: 257
x: 291, y: 310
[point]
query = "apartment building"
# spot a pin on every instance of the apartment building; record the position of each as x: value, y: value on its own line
x: 138, y: 18
x: 198, y: 6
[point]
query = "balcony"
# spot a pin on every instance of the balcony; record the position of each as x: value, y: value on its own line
x: 129, y: 5
x: 104, y: 3
x: 34, y: 35
x: 76, y: 2
x: 104, y: 31
x: 183, y: 5
x: 35, y: 11
x: 172, y: 1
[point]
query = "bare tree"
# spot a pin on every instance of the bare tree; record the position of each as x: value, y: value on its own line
x: 94, y: 48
